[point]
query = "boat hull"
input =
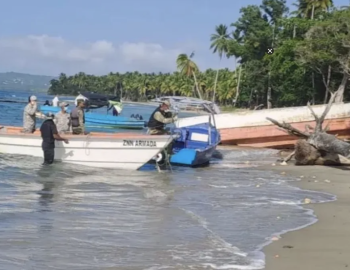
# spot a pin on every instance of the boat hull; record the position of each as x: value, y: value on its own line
x: 101, y: 119
x: 252, y: 129
x: 193, y: 157
x: 102, y: 150
x: 272, y: 137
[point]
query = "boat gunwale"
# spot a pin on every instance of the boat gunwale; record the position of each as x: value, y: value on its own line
x: 292, y: 123
x: 16, y: 132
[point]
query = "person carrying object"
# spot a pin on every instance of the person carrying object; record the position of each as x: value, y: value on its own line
x: 159, y: 118
x: 49, y: 135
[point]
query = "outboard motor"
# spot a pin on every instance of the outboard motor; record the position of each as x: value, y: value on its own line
x: 132, y: 116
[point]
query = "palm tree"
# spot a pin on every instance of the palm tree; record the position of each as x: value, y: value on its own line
x: 220, y: 46
x: 307, y: 8
x: 188, y: 68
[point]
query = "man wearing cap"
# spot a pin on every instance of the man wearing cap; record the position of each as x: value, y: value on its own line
x: 62, y: 119
x: 29, y: 119
x: 159, y: 118
x: 49, y: 134
x: 77, y: 117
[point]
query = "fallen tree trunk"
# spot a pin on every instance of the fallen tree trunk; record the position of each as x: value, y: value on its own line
x: 316, y: 146
x: 307, y: 154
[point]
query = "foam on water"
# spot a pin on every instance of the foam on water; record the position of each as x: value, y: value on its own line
x: 219, y: 217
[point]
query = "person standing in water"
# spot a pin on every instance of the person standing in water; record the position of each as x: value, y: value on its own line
x: 62, y: 119
x: 29, y: 119
x: 49, y: 134
x: 55, y: 101
x: 77, y: 117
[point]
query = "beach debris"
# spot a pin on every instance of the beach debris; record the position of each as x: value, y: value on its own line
x: 273, y: 164
x: 247, y: 162
x: 278, y: 217
x: 275, y: 238
x: 316, y: 146
x: 287, y: 246
x: 277, y: 256
x: 314, y: 177
x: 283, y: 163
x: 257, y: 186
x: 307, y: 200
x: 316, y: 181
x: 327, y: 181
x: 301, y: 176
x: 283, y: 173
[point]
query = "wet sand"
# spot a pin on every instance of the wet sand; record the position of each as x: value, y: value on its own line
x: 325, y: 244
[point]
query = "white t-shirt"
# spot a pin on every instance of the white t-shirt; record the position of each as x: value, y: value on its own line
x: 55, y: 102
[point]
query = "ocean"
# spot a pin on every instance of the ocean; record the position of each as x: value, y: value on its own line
x: 77, y: 218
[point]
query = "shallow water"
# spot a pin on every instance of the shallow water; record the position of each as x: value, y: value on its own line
x: 64, y: 217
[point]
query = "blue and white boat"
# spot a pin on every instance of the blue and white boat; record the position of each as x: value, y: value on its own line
x: 194, y: 146
x: 103, y: 119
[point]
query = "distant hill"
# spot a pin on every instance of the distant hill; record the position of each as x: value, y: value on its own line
x: 25, y: 82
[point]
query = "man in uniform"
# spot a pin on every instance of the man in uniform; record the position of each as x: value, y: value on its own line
x: 29, y: 119
x: 49, y: 134
x: 77, y: 117
x: 62, y: 119
x: 159, y: 118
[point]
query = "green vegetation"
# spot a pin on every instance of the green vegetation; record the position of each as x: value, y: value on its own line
x: 311, y: 57
x: 25, y: 82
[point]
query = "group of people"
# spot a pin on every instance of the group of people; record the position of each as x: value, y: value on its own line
x: 54, y: 125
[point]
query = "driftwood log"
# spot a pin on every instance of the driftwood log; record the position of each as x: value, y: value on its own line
x: 316, y: 146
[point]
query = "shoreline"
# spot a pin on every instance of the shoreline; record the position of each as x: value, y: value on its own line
x: 319, y: 245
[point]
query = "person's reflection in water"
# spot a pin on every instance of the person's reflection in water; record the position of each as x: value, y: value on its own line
x: 46, y: 199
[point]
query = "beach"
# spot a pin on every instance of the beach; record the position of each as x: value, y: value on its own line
x: 325, y: 244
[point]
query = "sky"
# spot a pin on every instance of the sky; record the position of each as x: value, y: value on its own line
x: 100, y: 36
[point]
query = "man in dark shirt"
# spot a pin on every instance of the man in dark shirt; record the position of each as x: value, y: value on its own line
x: 49, y: 134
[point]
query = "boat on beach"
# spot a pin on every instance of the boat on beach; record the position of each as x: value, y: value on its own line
x: 251, y: 128
x: 103, y: 150
x: 193, y: 146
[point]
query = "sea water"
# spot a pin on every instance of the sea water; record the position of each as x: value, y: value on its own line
x: 218, y: 217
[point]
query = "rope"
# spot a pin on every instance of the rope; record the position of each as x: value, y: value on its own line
x: 85, y: 144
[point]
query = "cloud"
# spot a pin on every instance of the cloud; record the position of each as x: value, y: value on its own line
x: 52, y: 55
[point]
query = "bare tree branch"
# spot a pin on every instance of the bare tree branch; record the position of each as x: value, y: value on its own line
x: 320, y: 120
x: 289, y: 129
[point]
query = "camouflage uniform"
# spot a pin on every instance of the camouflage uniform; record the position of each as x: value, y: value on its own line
x: 62, y: 121
x: 78, y: 121
x: 29, y: 119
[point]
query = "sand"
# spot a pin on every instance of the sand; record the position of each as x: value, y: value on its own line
x: 325, y: 244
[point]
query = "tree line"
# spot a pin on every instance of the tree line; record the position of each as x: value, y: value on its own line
x: 311, y: 58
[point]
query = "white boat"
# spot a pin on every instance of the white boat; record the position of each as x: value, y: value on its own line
x: 189, y: 103
x: 251, y: 128
x: 117, y: 151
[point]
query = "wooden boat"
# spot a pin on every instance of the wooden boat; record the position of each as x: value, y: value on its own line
x: 251, y: 128
x: 104, y: 150
x: 103, y: 119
